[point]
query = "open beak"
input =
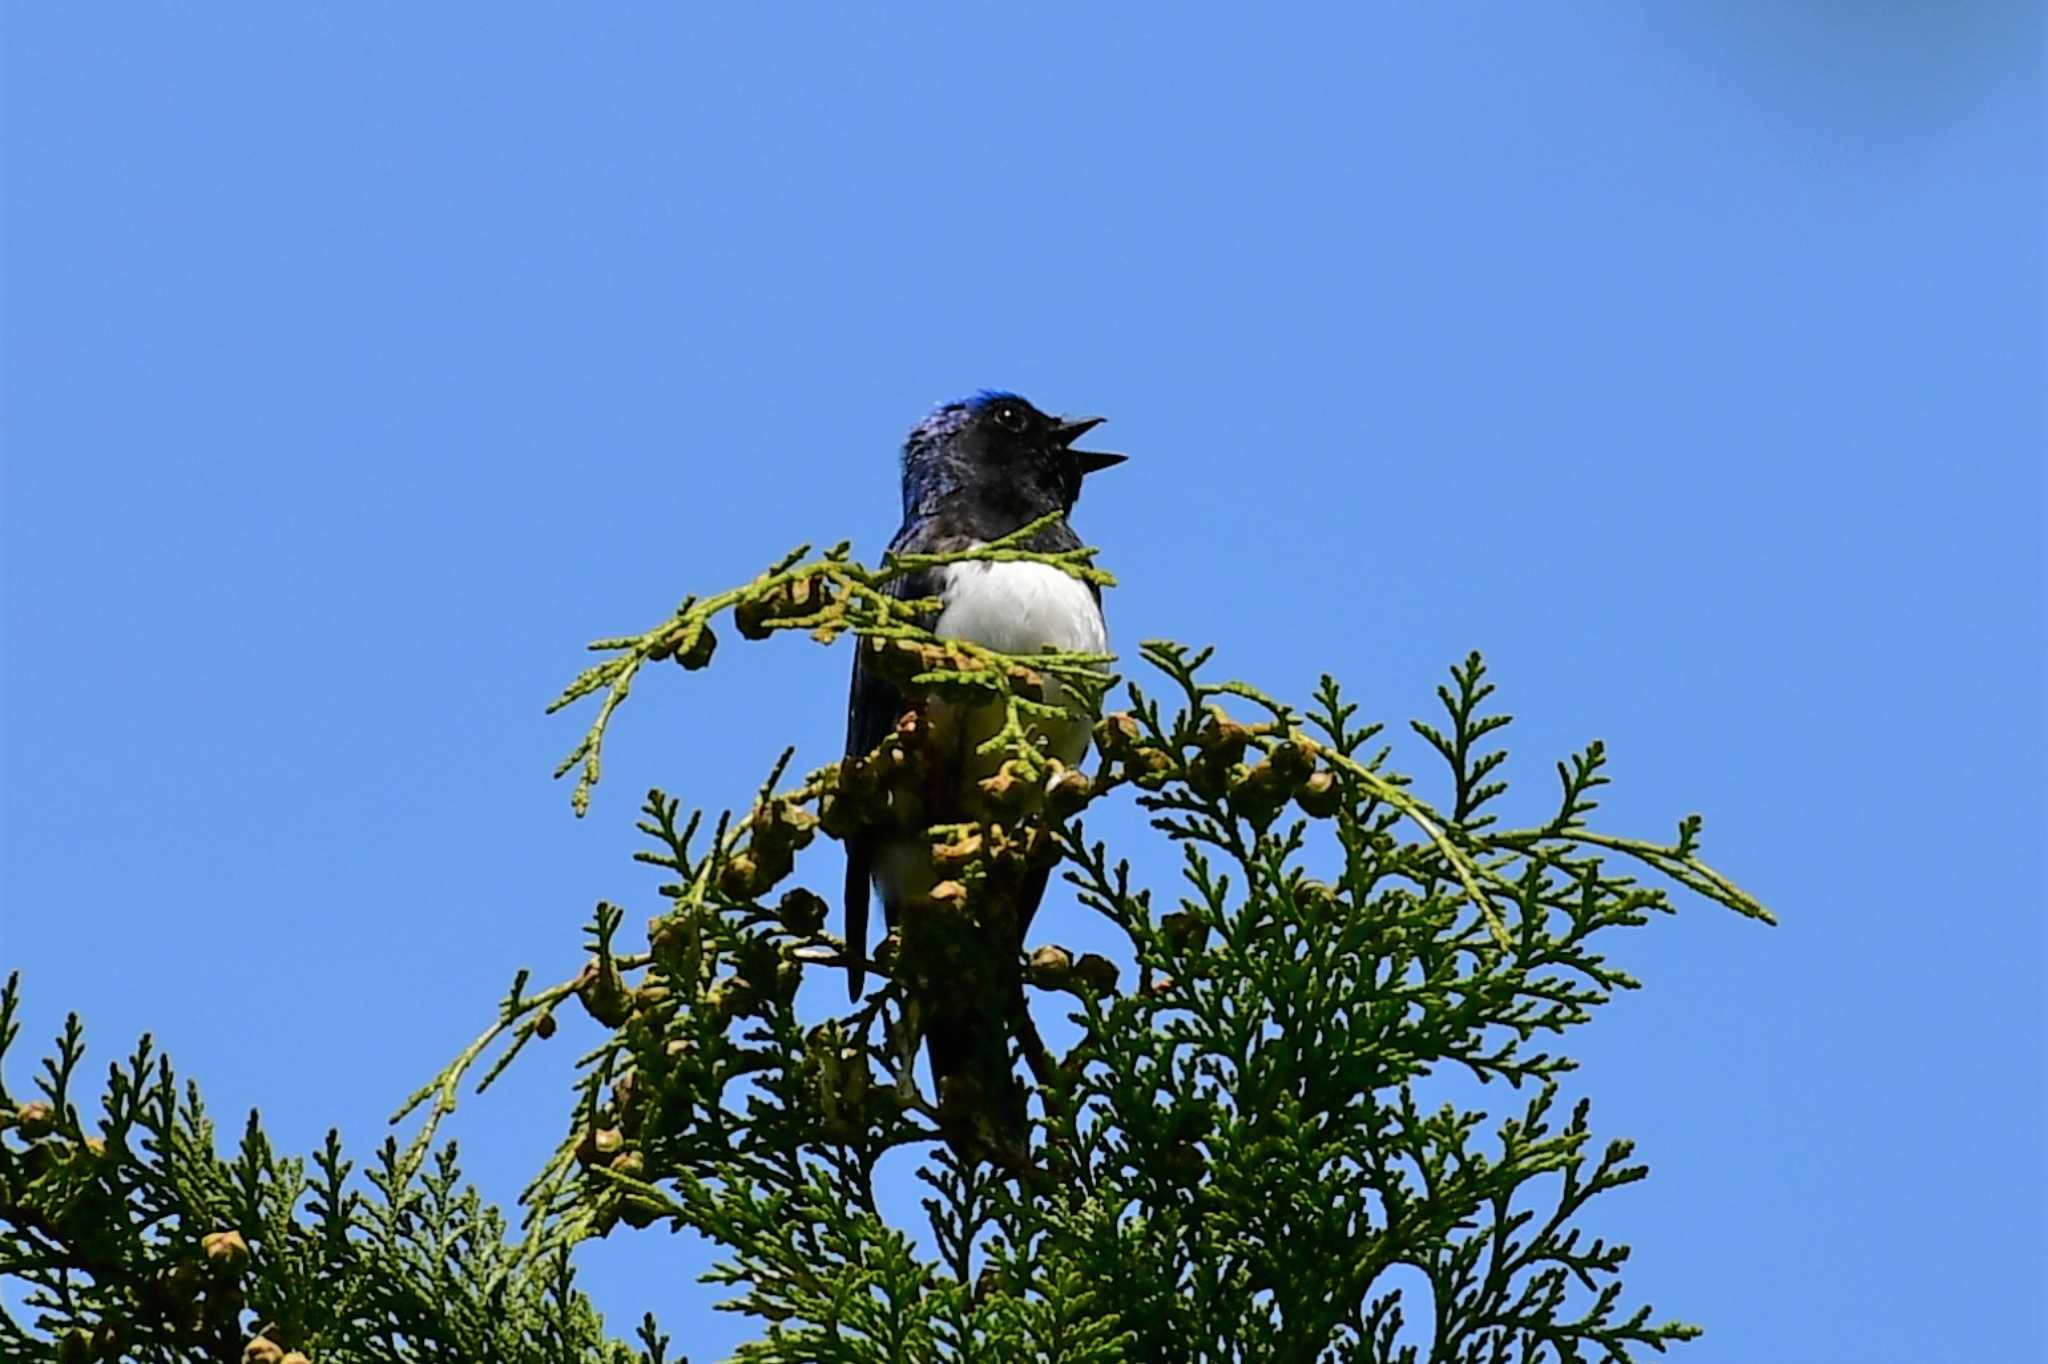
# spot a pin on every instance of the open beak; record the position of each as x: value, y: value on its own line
x: 1091, y: 461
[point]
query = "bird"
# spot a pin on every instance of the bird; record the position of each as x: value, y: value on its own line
x: 973, y: 471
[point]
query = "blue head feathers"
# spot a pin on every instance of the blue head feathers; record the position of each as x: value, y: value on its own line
x: 996, y: 458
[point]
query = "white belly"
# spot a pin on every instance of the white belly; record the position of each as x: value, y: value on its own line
x: 1014, y: 609
x: 1020, y: 609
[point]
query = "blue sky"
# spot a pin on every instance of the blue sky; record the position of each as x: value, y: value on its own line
x: 362, y: 362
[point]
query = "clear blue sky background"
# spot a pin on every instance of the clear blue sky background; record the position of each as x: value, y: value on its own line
x: 363, y: 361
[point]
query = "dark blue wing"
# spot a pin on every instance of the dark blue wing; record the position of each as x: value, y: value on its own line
x: 873, y: 707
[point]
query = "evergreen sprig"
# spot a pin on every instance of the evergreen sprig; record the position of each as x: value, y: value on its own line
x: 142, y: 1241
x: 828, y: 595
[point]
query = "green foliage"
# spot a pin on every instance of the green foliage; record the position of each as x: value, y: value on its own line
x: 142, y: 1242
x: 1236, y: 1157
x: 826, y: 596
x: 1258, y: 1147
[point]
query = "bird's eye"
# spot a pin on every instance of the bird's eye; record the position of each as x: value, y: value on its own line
x: 1011, y: 417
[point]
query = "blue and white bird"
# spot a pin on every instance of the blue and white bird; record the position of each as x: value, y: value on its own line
x: 973, y: 471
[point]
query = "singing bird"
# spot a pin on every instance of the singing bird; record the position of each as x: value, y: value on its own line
x: 973, y: 471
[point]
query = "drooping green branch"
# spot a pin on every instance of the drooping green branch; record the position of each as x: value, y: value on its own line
x: 828, y: 595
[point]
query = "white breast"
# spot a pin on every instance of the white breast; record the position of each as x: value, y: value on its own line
x: 1015, y: 609
x: 1020, y: 609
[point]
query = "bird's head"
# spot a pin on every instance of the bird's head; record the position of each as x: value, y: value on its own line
x: 998, y: 448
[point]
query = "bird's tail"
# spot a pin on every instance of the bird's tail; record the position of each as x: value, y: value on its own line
x: 982, y: 1103
x: 969, y: 1027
